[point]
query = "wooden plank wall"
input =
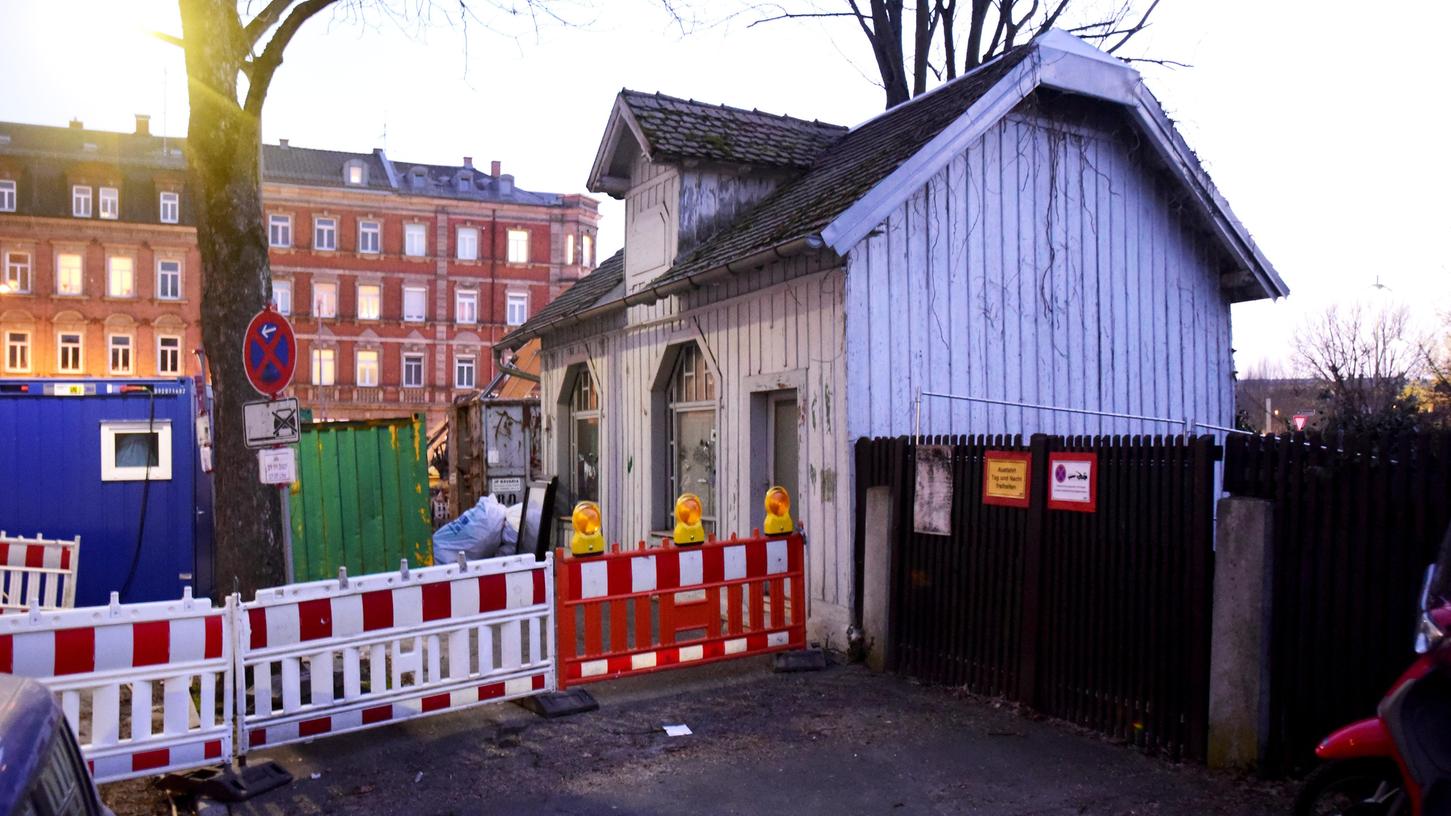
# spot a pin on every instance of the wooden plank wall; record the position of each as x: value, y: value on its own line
x: 1045, y: 265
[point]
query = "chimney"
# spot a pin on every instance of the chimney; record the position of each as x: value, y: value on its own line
x: 143, y: 124
x: 282, y: 143
x: 494, y: 169
x: 77, y: 124
x: 469, y: 162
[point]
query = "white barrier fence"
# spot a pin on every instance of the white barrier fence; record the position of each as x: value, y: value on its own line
x: 151, y: 688
x: 37, y: 573
x: 144, y: 686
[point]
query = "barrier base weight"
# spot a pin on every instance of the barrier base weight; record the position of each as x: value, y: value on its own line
x: 226, y: 784
x: 557, y: 704
x: 810, y: 659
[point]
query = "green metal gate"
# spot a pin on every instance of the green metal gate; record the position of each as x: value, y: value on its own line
x: 361, y: 499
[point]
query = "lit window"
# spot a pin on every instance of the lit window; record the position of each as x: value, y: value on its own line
x: 17, y: 273
x: 587, y: 252
x: 415, y: 304
x: 516, y: 308
x: 68, y: 353
x: 279, y: 230
x: 110, y: 203
x: 468, y: 244
x: 17, y: 351
x: 518, y: 246
x: 324, y: 300
x: 355, y: 173
x: 325, y: 233
x: 413, y: 371
x: 120, y: 354
x: 367, y: 373
x: 463, y: 372
x: 168, y: 279
x: 120, y: 277
x: 415, y: 240
x: 7, y: 195
x: 369, y: 236
x: 282, y: 296
x: 168, y: 355
x: 324, y: 366
x: 81, y: 201
x: 69, y: 274
x: 569, y: 250
x: 466, y: 306
x: 136, y: 450
x: 170, y: 208
x: 370, y: 301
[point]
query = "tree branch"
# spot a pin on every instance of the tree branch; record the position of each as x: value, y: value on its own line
x: 265, y: 19
x: 266, y: 64
x: 1136, y: 28
x: 788, y: 15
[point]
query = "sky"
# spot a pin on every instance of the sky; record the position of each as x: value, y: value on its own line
x: 1328, y: 144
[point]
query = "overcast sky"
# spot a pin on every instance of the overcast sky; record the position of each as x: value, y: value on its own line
x: 1329, y: 143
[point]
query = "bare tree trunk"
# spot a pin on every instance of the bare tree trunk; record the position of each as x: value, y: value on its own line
x: 223, y: 143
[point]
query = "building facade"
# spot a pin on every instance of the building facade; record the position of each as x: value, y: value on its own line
x: 399, y: 278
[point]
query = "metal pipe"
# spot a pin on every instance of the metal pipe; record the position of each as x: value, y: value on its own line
x: 1088, y: 411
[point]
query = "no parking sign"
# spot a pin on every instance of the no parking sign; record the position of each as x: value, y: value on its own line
x: 269, y: 352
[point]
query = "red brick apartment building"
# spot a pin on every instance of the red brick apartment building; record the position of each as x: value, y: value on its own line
x: 398, y: 277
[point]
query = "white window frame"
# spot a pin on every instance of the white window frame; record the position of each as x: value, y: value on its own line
x: 415, y: 240
x: 376, y: 368
x: 18, y: 278
x: 108, y: 205
x: 417, y: 357
x: 421, y: 314
x: 473, y: 244
x: 367, y: 228
x: 518, y: 246
x: 284, y: 303
x: 111, y: 347
x: 329, y: 286
x: 355, y: 167
x: 516, y: 301
x: 325, y: 233
x: 80, y: 201
x: 26, y: 345
x: 162, y: 274
x: 8, y: 195
x: 279, y: 230
x: 161, y: 351
x: 60, y: 288
x: 111, y: 472
x: 169, y: 207
x: 458, y: 368
x: 316, y: 359
x: 471, y: 297
x: 377, y: 310
x: 61, y: 347
x: 111, y: 276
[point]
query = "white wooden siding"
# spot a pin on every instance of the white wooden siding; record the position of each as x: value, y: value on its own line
x: 1043, y: 265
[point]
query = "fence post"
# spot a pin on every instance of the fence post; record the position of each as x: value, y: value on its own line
x: 1033, y: 570
x: 1240, y: 644
x: 877, y: 568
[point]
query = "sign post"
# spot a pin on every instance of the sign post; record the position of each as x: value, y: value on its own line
x: 269, y: 355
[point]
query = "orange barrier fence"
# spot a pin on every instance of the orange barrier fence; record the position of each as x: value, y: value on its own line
x: 641, y: 610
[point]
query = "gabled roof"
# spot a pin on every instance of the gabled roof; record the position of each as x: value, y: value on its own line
x: 669, y: 128
x: 320, y: 168
x: 597, y: 286
x: 78, y: 144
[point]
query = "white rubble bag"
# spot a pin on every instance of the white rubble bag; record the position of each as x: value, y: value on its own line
x: 483, y: 531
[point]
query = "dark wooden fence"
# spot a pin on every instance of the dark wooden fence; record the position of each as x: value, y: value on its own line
x: 1356, y: 521
x: 1099, y: 618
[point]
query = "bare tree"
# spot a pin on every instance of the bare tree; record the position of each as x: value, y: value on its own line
x: 231, y: 62
x: 946, y: 37
x: 1364, y: 360
x: 1436, y: 360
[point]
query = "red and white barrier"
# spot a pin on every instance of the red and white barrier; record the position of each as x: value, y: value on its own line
x: 95, y: 657
x: 329, y: 657
x: 37, y: 573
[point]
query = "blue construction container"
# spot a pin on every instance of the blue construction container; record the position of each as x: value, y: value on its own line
x: 100, y: 459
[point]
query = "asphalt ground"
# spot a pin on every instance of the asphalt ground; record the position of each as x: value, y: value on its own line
x: 841, y: 741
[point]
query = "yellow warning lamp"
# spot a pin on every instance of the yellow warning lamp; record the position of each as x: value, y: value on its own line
x: 688, y: 529
x: 778, y: 512
x: 587, y: 539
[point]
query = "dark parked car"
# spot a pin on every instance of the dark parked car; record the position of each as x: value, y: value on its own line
x: 41, y: 770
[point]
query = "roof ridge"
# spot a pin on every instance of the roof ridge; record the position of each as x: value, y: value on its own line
x: 735, y: 109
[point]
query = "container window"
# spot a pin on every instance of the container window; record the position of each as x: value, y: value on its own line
x: 132, y: 452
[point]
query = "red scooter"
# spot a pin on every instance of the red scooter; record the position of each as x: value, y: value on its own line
x: 1398, y: 763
